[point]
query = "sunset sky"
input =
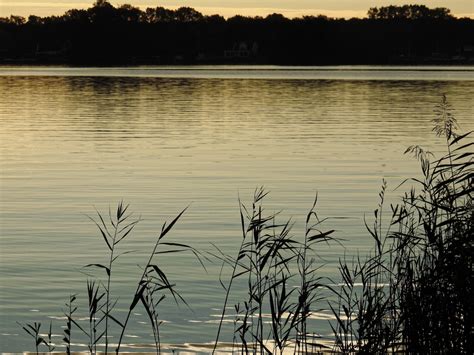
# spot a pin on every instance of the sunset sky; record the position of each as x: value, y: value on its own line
x: 290, y: 8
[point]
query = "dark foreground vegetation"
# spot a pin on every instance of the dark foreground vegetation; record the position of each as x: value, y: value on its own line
x: 126, y: 35
x: 412, y: 294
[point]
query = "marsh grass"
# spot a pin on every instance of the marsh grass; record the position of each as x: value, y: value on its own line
x: 435, y: 247
x: 273, y: 262
x: 151, y: 300
x: 153, y: 283
x: 417, y: 284
x: 49, y: 342
x: 120, y: 226
x: 33, y: 330
x: 310, y: 282
x: 94, y: 297
x: 411, y: 294
x: 69, y: 314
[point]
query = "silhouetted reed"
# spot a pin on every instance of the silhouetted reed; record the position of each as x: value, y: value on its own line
x: 120, y: 226
x: 366, y: 311
x: 34, y: 331
x: 94, y: 297
x: 69, y: 313
x: 49, y: 343
x: 435, y: 247
x: 310, y: 282
x: 153, y: 282
x: 411, y: 294
x: 151, y: 299
x: 271, y: 259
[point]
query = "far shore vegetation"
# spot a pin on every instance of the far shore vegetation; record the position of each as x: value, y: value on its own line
x: 127, y: 35
x: 411, y: 294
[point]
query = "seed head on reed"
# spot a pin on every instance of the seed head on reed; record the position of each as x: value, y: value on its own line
x: 444, y: 123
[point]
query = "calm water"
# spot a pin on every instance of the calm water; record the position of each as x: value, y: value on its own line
x: 75, y: 139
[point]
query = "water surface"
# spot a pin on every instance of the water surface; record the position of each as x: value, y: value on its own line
x: 76, y: 139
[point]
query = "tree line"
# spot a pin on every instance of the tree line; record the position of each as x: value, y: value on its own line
x: 105, y: 34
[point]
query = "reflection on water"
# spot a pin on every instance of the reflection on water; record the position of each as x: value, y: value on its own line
x: 431, y: 73
x: 69, y: 143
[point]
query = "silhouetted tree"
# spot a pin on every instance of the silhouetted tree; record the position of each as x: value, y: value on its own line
x: 276, y: 18
x: 160, y: 14
x: 102, y: 11
x: 410, y: 12
x: 187, y: 14
x: 104, y: 34
x: 14, y: 20
x: 75, y: 15
x: 129, y: 13
x: 35, y: 20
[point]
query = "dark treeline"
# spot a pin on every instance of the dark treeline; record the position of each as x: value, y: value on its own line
x: 104, y: 34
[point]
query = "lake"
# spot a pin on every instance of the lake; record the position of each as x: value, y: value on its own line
x: 73, y: 140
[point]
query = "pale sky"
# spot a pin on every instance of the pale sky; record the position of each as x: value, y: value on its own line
x: 227, y: 8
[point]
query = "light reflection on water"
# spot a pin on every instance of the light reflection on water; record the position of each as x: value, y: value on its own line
x: 69, y: 143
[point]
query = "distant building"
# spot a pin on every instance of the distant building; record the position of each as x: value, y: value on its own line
x: 464, y: 54
x: 241, y: 50
x: 53, y: 54
x: 468, y: 49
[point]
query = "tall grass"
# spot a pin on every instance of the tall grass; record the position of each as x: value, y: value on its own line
x: 310, y: 282
x: 120, y: 226
x: 367, y: 319
x: 94, y: 297
x: 412, y: 293
x: 271, y: 260
x: 154, y: 280
x: 33, y: 330
x: 435, y: 247
x: 69, y: 314
x: 417, y: 284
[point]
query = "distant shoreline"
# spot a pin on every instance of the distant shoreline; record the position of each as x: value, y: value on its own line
x: 438, y: 73
x: 25, y: 62
x: 104, y: 35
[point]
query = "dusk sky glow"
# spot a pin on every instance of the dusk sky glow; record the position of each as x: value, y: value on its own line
x: 227, y: 8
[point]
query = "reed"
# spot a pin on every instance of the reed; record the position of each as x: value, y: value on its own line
x: 366, y: 314
x: 49, y: 342
x: 94, y: 297
x: 435, y: 248
x: 151, y: 299
x: 310, y: 282
x: 69, y: 314
x: 120, y: 226
x: 33, y: 330
x: 154, y: 281
x: 417, y: 284
x: 150, y: 291
x: 411, y: 294
x: 271, y: 259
